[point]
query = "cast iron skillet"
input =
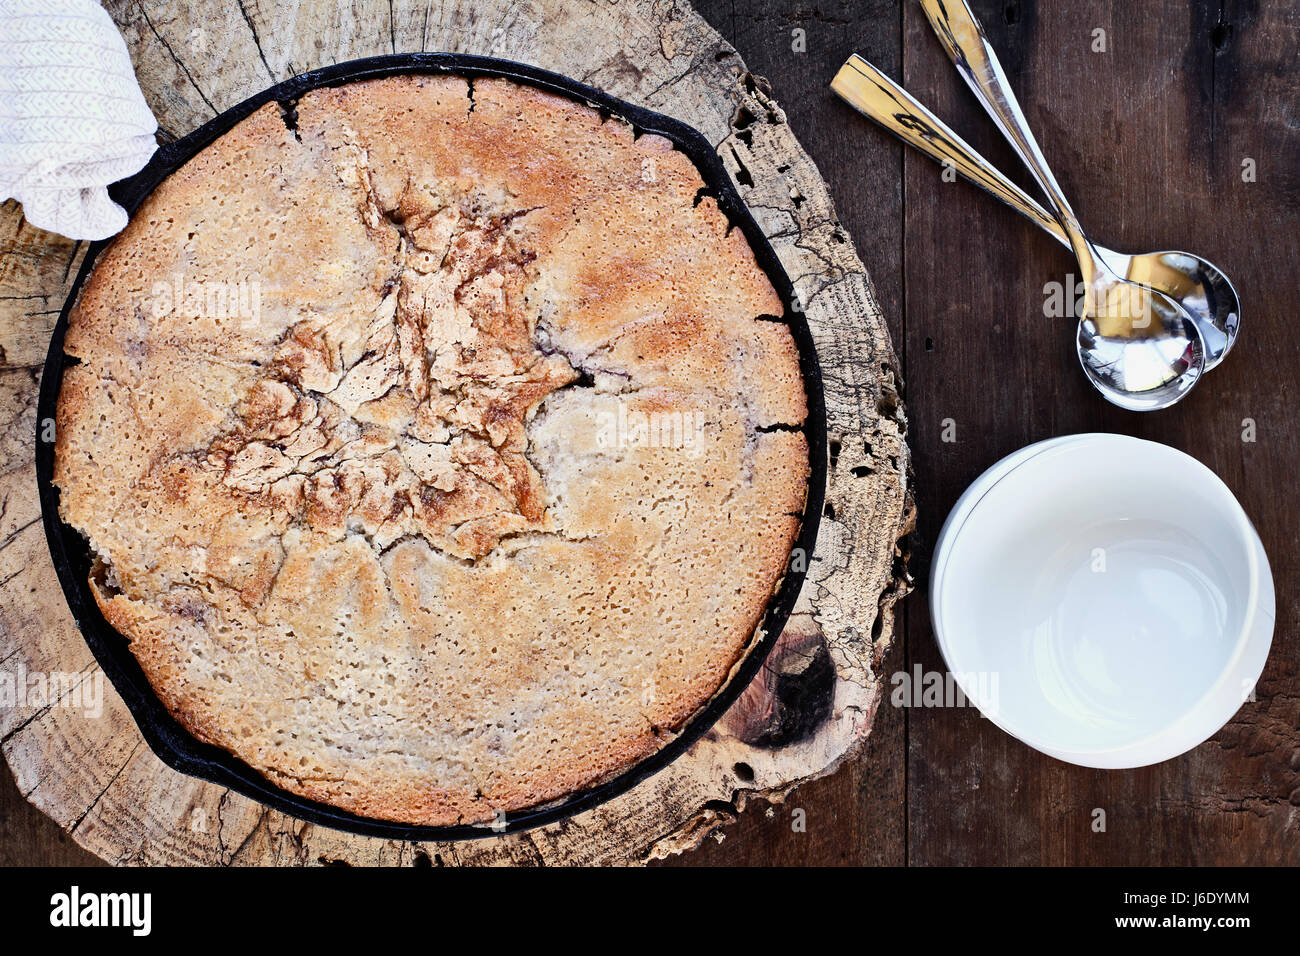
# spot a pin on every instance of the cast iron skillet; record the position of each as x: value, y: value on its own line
x: 173, y: 744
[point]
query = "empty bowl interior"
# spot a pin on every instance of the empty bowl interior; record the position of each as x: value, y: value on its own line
x: 1097, y: 592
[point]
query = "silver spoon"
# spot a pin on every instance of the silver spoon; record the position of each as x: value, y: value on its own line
x: 1193, y: 282
x: 1138, y: 347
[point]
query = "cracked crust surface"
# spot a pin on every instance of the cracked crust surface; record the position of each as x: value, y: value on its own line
x: 473, y: 488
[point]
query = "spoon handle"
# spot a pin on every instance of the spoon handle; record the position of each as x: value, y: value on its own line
x: 885, y: 102
x: 969, y: 49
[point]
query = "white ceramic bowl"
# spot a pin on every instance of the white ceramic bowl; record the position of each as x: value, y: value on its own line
x: 1102, y: 598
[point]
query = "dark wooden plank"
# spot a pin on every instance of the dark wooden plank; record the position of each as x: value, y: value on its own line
x: 1148, y: 138
x: 857, y: 815
x: 30, y: 838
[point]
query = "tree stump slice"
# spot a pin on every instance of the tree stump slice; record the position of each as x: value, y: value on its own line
x: 812, y: 704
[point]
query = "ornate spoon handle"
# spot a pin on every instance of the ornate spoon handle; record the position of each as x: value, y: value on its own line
x: 882, y: 100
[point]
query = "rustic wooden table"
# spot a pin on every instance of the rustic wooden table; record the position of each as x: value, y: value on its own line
x: 1177, y: 125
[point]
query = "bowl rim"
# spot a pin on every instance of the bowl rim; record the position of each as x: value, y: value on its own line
x: 1149, y: 743
x: 969, y: 499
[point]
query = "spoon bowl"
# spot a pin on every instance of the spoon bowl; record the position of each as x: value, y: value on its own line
x: 1196, y: 284
x: 1138, y: 347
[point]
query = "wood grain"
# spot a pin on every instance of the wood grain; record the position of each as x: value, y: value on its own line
x: 95, y: 776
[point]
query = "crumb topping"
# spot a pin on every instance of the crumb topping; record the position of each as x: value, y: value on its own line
x: 413, y: 423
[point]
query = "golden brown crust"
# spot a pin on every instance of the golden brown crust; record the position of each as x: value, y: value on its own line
x: 468, y: 493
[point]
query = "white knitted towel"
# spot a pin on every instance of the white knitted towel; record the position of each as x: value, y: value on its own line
x: 72, y: 117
